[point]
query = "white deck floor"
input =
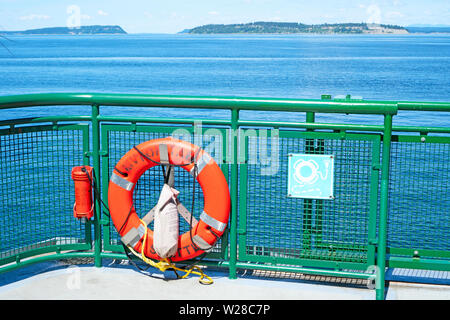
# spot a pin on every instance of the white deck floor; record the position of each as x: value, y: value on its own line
x: 59, y: 282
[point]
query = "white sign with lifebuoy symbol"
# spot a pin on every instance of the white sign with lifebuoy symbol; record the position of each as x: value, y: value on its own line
x: 311, y: 176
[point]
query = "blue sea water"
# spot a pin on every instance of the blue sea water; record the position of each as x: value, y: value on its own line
x: 381, y: 67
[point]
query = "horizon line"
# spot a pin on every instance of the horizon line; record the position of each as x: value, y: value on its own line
x: 181, y: 31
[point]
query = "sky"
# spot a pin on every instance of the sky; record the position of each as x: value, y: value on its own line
x: 172, y: 16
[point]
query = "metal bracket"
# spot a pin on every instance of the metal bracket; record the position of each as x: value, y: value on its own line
x: 377, y: 166
x: 164, y: 159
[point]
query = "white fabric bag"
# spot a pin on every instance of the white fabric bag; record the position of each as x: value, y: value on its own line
x: 166, y: 223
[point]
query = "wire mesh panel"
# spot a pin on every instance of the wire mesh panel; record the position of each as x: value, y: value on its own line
x: 121, y: 138
x: 336, y: 232
x: 37, y: 192
x: 419, y: 207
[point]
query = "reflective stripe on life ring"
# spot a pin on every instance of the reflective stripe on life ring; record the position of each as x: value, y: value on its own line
x: 216, y: 210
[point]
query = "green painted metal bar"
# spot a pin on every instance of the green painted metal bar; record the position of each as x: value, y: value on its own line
x: 225, y: 122
x: 424, y: 106
x: 322, y: 272
x: 44, y: 119
x: 228, y: 103
x: 114, y: 255
x: 43, y: 258
x: 104, y: 175
x: 420, y: 129
x: 319, y: 204
x: 339, y: 127
x: 374, y: 200
x: 45, y: 250
x: 164, y: 120
x: 419, y: 253
x: 308, y: 203
x: 224, y: 166
x: 86, y: 162
x: 243, y: 188
x: 415, y: 263
x: 384, y: 201
x: 234, y: 194
x: 309, y: 125
x: 306, y: 260
x: 96, y: 164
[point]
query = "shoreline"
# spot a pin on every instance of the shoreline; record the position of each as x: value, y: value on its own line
x: 2, y: 34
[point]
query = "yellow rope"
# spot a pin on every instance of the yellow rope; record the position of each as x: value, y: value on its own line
x: 165, y: 264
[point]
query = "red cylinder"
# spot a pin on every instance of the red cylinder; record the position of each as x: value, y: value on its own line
x: 83, y: 207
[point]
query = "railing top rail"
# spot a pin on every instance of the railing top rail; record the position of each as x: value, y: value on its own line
x: 353, y: 106
x: 424, y: 106
x: 226, y: 103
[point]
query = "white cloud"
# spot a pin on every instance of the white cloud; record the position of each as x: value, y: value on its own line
x: 34, y: 16
x: 176, y: 15
x: 374, y: 14
x: 102, y: 13
x: 394, y: 14
x: 213, y: 13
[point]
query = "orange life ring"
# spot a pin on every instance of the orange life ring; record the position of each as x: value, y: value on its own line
x: 216, y: 210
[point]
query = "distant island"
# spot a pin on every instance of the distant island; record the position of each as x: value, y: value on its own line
x: 293, y: 27
x: 69, y: 31
x: 326, y: 28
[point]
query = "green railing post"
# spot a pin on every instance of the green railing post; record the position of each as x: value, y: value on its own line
x: 384, y: 191
x: 96, y: 163
x: 308, y: 203
x: 317, y: 147
x: 234, y: 193
x: 86, y: 162
x: 310, y: 118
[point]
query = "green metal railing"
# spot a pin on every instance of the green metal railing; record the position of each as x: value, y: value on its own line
x: 391, y: 205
